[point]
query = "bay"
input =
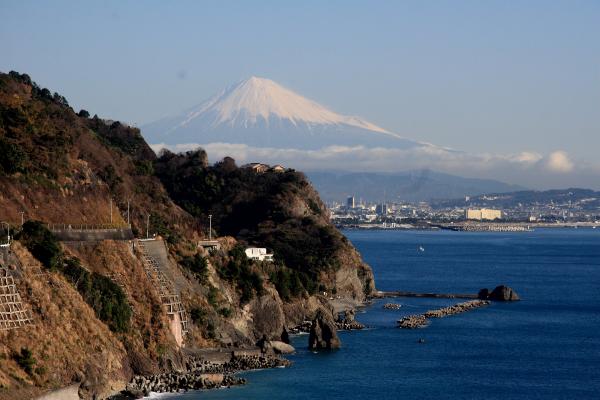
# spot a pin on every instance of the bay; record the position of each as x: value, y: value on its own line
x: 546, y: 346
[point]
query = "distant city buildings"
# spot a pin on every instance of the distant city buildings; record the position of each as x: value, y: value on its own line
x: 354, y: 212
x: 381, y: 209
x: 350, y: 202
x: 483, y: 214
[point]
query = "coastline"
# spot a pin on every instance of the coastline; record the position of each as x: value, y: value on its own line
x: 209, y: 369
x: 477, y: 226
x: 202, y: 373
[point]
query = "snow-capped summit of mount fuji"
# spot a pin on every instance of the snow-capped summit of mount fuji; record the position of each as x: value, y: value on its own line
x: 258, y: 99
x: 259, y: 112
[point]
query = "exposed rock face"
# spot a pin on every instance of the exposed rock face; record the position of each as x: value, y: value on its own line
x: 323, y: 333
x: 483, y: 294
x: 354, y: 279
x: 274, y: 346
x: 503, y: 293
x: 267, y: 315
x: 281, y: 347
x: 347, y: 321
x: 349, y: 316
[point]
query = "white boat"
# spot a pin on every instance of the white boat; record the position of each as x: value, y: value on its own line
x: 421, y: 249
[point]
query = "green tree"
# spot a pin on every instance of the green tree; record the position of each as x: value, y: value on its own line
x: 12, y: 158
x: 41, y: 243
x: 25, y: 360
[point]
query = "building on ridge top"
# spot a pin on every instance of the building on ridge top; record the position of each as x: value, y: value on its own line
x: 261, y: 168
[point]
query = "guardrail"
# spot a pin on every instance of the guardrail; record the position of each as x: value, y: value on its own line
x: 86, y: 227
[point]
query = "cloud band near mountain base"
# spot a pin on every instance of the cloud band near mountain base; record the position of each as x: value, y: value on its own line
x: 529, y: 169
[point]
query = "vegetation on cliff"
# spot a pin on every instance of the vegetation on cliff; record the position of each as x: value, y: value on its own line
x: 76, y: 164
x: 103, y: 295
x: 278, y: 210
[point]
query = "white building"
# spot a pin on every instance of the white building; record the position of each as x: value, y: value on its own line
x: 483, y: 214
x: 258, y: 253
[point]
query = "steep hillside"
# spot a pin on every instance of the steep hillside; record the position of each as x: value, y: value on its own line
x: 98, y: 310
x: 279, y: 210
x: 63, y: 167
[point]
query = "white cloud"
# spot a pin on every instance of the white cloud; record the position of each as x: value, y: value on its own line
x: 559, y: 161
x: 528, y: 168
x: 528, y: 157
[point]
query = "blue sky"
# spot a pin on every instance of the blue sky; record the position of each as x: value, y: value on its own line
x: 480, y: 76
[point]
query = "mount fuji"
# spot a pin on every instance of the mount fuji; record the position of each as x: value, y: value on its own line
x: 261, y: 113
x: 260, y: 120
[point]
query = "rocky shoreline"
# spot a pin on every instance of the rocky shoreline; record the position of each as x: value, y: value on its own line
x: 201, y: 373
x: 422, y: 320
x: 346, y: 321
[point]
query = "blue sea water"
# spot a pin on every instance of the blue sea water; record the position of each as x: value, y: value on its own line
x: 546, y: 346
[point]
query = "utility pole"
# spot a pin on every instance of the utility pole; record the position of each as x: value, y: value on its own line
x: 111, y: 211
x: 210, y: 227
x: 128, y: 223
x: 148, y: 226
x: 22, y: 218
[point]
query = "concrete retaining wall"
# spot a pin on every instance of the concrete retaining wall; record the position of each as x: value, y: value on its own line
x: 93, y: 235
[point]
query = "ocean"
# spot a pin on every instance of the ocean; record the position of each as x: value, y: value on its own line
x: 546, y: 346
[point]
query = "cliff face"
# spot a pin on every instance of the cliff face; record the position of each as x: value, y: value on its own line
x: 279, y: 210
x: 60, y: 167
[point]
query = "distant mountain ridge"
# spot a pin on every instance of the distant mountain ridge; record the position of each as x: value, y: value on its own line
x: 259, y: 112
x: 588, y: 199
x: 417, y: 185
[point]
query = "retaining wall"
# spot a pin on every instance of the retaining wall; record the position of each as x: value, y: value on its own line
x: 92, y: 235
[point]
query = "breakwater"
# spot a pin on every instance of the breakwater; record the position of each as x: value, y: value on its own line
x: 202, y: 373
x: 421, y: 320
x: 382, y: 294
x: 486, y: 227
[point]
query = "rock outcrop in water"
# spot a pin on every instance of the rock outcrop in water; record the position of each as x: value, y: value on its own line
x: 392, y: 306
x: 275, y: 346
x: 412, y: 322
x: 346, y: 321
x: 500, y: 293
x: 323, y: 333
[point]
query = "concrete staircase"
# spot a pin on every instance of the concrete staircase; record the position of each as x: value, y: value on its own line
x: 156, y: 263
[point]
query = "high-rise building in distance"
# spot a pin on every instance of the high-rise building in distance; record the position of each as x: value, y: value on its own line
x: 350, y: 202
